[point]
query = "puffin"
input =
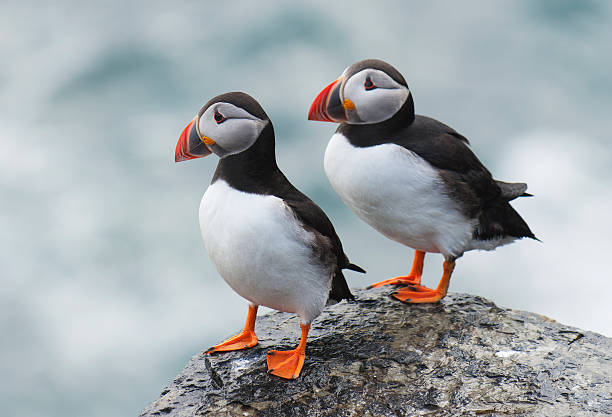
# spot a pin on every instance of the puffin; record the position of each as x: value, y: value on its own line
x: 272, y: 244
x: 412, y: 178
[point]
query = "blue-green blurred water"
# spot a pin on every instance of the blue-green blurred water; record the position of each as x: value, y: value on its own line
x: 106, y: 290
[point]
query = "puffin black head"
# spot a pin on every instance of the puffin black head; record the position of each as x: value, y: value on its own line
x: 367, y: 92
x: 228, y: 124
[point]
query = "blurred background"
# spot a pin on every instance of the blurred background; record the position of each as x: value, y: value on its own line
x: 106, y: 290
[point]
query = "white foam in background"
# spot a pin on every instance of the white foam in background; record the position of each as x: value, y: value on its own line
x: 565, y: 276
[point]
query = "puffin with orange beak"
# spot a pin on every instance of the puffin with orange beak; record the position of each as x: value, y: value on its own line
x: 269, y: 242
x: 410, y: 177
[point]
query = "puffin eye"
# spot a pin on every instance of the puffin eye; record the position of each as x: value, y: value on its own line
x: 219, y: 118
x: 369, y: 85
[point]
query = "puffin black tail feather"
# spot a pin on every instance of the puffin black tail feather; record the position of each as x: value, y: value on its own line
x: 512, y: 190
x: 355, y: 268
x: 500, y: 220
x: 339, y: 289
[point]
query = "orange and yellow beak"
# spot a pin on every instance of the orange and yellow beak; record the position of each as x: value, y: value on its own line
x: 190, y: 145
x: 328, y: 106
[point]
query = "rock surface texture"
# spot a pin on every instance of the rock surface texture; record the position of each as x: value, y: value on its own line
x: 378, y: 357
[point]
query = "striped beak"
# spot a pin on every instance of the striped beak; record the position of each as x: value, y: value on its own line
x: 328, y: 106
x: 190, y: 145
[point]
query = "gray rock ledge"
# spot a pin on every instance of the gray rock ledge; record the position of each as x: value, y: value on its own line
x: 378, y: 357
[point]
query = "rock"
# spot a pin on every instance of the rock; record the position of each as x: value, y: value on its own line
x: 378, y: 357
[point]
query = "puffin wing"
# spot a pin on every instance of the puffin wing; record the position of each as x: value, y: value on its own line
x: 313, y: 217
x: 467, y: 179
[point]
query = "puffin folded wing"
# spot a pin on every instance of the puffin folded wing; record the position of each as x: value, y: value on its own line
x: 315, y: 220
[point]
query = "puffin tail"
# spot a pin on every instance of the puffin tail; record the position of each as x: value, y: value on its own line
x: 500, y: 220
x: 355, y: 268
x: 512, y: 190
x: 339, y: 289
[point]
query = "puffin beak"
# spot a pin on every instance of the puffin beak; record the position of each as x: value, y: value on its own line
x: 189, y: 145
x: 328, y: 107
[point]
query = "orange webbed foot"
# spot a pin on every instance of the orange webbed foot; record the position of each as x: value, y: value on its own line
x: 288, y: 363
x: 243, y: 340
x: 420, y: 294
x: 285, y: 363
x: 405, y: 280
x: 413, y: 278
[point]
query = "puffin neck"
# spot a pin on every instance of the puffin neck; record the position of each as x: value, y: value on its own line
x: 370, y: 134
x: 252, y: 168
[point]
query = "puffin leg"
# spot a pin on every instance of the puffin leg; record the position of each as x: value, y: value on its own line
x: 413, y: 278
x: 424, y: 294
x: 245, y: 339
x: 288, y: 363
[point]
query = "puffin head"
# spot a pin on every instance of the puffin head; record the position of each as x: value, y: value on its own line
x: 228, y: 124
x: 367, y: 92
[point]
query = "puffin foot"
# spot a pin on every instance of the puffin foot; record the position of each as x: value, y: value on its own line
x: 285, y: 363
x: 243, y: 340
x: 420, y: 294
x: 288, y: 363
x: 404, y: 280
x: 412, y: 279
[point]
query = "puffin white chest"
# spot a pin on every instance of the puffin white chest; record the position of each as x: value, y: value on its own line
x: 261, y: 250
x: 399, y: 194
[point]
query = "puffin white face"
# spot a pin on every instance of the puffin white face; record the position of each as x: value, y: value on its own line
x: 228, y: 129
x: 371, y: 96
x: 369, y: 91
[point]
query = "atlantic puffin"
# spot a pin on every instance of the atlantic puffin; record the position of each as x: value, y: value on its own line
x: 410, y: 177
x: 273, y: 245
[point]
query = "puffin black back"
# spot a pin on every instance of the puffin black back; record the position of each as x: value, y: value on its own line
x: 468, y: 181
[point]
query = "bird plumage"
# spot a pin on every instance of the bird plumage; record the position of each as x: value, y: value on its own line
x: 256, y: 171
x: 272, y: 244
x: 411, y: 177
x: 466, y: 179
